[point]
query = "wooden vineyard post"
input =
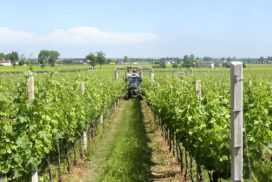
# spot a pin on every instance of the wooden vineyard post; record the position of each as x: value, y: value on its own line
x: 115, y: 105
x: 142, y: 74
x: 34, y: 173
x: 101, y: 119
x: 236, y: 77
x: 198, y: 89
x: 198, y: 95
x: 31, y: 96
x: 116, y: 74
x: 152, y: 75
x: 249, y: 85
x: 85, y: 140
x: 84, y: 132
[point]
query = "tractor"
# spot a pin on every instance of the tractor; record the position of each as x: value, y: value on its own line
x: 134, y: 77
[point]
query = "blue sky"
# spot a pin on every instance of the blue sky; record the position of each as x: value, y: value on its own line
x: 150, y: 28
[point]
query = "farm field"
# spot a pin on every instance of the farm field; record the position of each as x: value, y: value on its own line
x: 36, y: 68
x: 78, y: 127
x: 63, y: 68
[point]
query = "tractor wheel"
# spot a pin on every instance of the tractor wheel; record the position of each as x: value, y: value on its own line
x: 126, y: 97
x: 140, y: 97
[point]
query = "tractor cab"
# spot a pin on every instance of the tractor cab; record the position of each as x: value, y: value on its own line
x: 134, y: 77
x: 134, y: 80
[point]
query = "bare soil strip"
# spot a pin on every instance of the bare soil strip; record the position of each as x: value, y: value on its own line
x: 89, y: 170
x: 164, y: 166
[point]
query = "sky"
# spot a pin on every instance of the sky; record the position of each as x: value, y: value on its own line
x: 142, y: 28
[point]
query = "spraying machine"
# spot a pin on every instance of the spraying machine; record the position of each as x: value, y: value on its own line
x: 134, y: 77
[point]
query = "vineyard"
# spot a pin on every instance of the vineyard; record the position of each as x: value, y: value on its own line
x: 49, y: 121
x: 200, y: 127
x: 33, y: 131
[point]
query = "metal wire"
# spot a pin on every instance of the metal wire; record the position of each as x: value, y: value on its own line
x: 248, y: 159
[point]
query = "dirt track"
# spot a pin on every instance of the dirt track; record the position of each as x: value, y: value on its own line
x: 161, y: 164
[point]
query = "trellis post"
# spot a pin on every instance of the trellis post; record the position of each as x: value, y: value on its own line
x: 101, y: 119
x: 249, y: 85
x: 85, y: 141
x: 198, y: 95
x: 152, y: 75
x: 116, y: 74
x: 142, y: 74
x: 31, y: 96
x: 236, y: 77
x: 198, y: 89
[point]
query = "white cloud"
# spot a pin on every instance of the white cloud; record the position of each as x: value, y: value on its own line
x: 8, y: 36
x: 74, y: 36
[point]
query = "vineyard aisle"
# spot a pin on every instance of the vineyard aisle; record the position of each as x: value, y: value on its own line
x: 131, y: 150
x: 164, y: 166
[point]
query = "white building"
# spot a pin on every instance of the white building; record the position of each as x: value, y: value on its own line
x: 5, y: 63
x: 205, y: 64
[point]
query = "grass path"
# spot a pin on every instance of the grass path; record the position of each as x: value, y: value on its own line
x: 131, y: 150
x: 97, y: 160
x: 129, y: 156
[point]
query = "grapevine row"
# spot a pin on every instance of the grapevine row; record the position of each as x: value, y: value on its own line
x: 203, y: 125
x: 31, y: 131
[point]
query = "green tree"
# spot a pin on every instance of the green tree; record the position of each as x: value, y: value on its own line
x: 216, y: 65
x: 125, y: 59
x: 174, y: 65
x: 222, y: 59
x: 22, y: 60
x: 13, y: 57
x: 92, y: 59
x: 162, y: 64
x: 206, y: 58
x: 43, y: 57
x: 229, y: 59
x: 48, y: 57
x: 53, y: 56
x: 226, y: 65
x: 101, y: 59
x: 2, y: 56
x: 189, y: 61
x: 261, y: 60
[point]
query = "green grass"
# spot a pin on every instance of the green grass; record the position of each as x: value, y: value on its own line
x: 261, y: 171
x: 36, y: 68
x: 128, y: 158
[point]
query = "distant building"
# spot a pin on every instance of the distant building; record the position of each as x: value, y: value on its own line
x: 120, y: 62
x: 5, y: 63
x: 170, y: 62
x: 112, y: 62
x: 79, y: 61
x: 205, y: 64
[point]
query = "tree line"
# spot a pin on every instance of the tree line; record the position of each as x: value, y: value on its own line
x: 50, y: 57
x: 98, y: 58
